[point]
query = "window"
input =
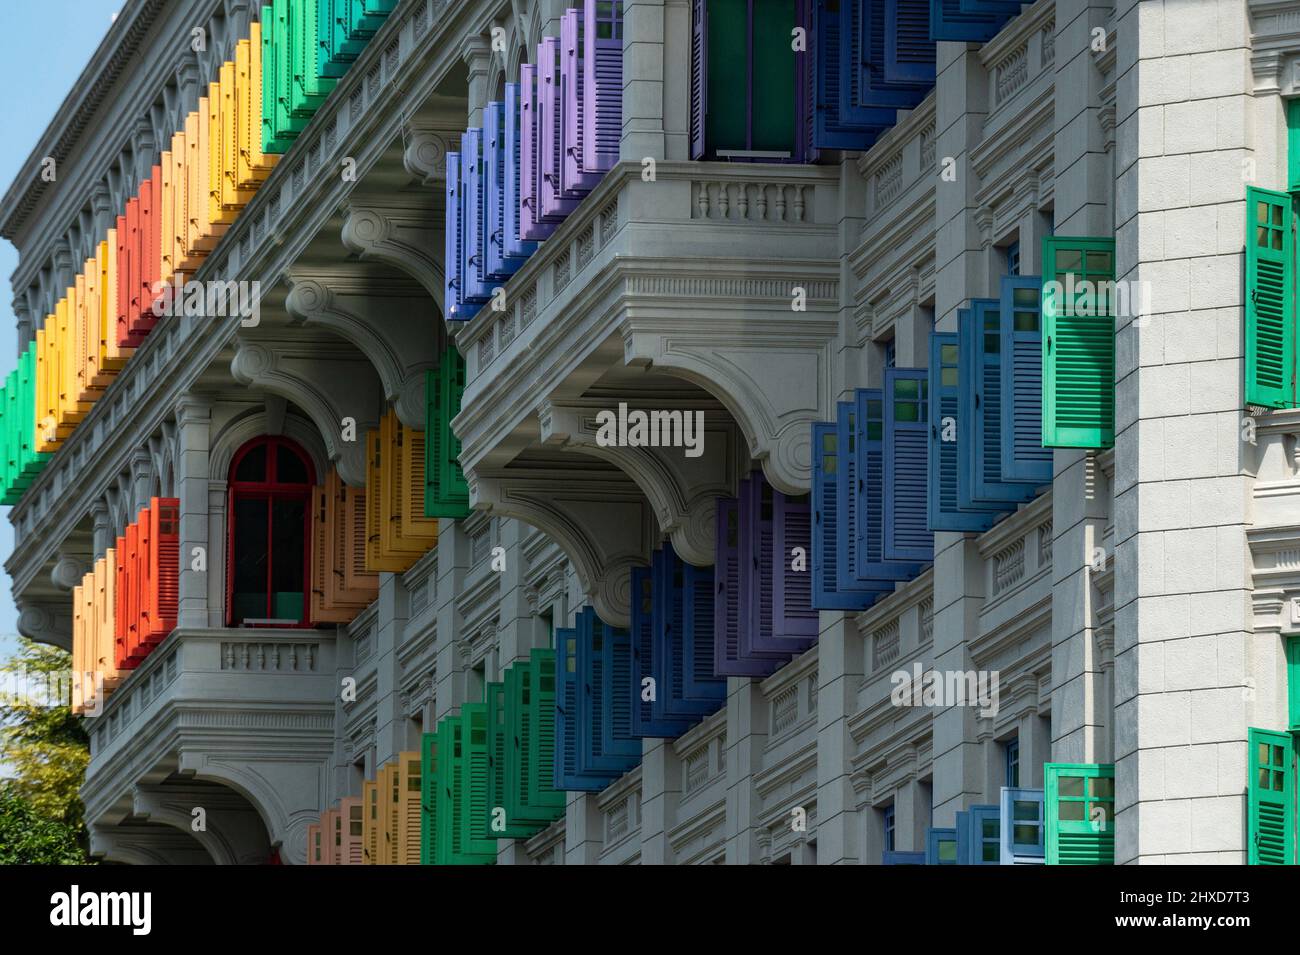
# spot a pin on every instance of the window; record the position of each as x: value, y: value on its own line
x: 743, y: 84
x: 891, y: 354
x: 889, y: 828
x: 269, y: 534
x: 1013, y: 258
x: 1011, y: 755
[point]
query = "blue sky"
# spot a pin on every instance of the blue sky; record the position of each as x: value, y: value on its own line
x: 38, y: 76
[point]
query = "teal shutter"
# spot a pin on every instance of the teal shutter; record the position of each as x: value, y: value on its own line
x: 1080, y: 813
x: 445, y: 492
x: 498, y: 782
x: 428, y: 798
x: 1078, y: 342
x: 1293, y: 145
x: 1270, y: 798
x: 1270, y: 299
x: 1293, y: 682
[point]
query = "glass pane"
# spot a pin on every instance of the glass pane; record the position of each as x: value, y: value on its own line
x: 1102, y: 786
x: 1024, y: 298
x: 1023, y: 809
x: 1277, y: 240
x: 989, y: 828
x: 1071, y: 812
x: 1099, y: 812
x: 1026, y: 321
x: 949, y: 377
x: 1262, y: 781
x: 1068, y: 260
x: 906, y: 411
x: 905, y: 388
x: 991, y: 853
x: 1025, y: 835
x: 1261, y: 212
x: 1277, y: 755
x: 948, y: 354
x: 947, y: 851
x: 253, y: 465
x: 1277, y: 783
x: 289, y: 468
x: 248, y: 562
x: 829, y: 441
x: 1261, y: 756
x: 288, y: 546
x: 1070, y: 785
x: 1100, y: 261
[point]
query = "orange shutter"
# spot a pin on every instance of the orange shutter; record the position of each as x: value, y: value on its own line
x: 351, y: 831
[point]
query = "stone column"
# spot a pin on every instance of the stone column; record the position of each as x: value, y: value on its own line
x: 193, y: 418
x: 840, y: 669
x: 656, y: 79
x: 746, y: 738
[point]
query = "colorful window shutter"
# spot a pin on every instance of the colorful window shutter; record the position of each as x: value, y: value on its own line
x: 891, y: 857
x: 499, y: 265
x: 570, y: 686
x: 875, y: 35
x: 473, y: 251
x: 601, y: 750
x: 978, y: 836
x: 703, y: 689
x: 1022, y: 826
x: 906, y: 396
x: 555, y: 206
x: 1079, y: 342
x: 448, y: 780
x: 1023, y: 456
x: 969, y: 21
x: 826, y: 529
x: 575, y: 180
x: 726, y: 602
x: 830, y: 69
x: 909, y: 54
x: 980, y: 412
x: 940, y: 846
x: 1080, y: 813
x: 531, y: 226
x: 617, y: 694
x: 602, y: 55
x: 761, y: 651
x: 682, y: 642
x: 456, y: 303
x: 1293, y: 145
x: 945, y: 457
x: 428, y: 798
x: 1270, y: 328
x: 451, y: 381
x: 516, y: 247
x: 539, y: 689
x: 645, y: 662
x: 864, y: 486
x: 471, y: 798
x: 699, y: 77
x: 793, y: 614
x: 1270, y: 797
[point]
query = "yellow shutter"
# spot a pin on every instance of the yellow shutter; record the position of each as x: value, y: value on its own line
x: 416, y: 527
x: 116, y: 356
x: 370, y: 822
x: 80, y: 653
x: 254, y: 165
x: 377, y: 558
x: 408, y: 811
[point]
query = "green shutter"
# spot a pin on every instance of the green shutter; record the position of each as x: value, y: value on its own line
x: 1080, y: 813
x: 1270, y: 796
x: 1270, y: 299
x: 542, y: 794
x: 498, y: 780
x: 446, y: 784
x: 428, y: 798
x: 1293, y: 682
x: 475, y: 846
x: 1078, y: 342
x: 445, y: 492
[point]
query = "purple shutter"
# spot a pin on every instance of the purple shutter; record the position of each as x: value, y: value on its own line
x: 454, y: 303
x: 726, y: 605
x: 792, y: 607
x: 699, y: 77
x: 499, y: 266
x: 575, y: 181
x: 602, y: 115
x: 528, y: 228
x: 760, y: 647
x: 554, y: 206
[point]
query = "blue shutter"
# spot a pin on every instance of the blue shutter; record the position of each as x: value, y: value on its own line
x: 889, y: 857
x: 793, y: 617
x: 906, y: 536
x: 866, y: 27
x: 617, y: 693
x: 826, y: 530
x: 644, y: 661
x: 472, y: 196
x: 909, y: 51
x: 515, y: 247
x: 978, y: 832
x: 457, y: 308
x: 683, y: 605
x: 497, y: 169
x: 867, y: 491
x: 568, y: 717
x: 703, y: 690
x: 762, y: 651
x: 595, y: 707
x: 957, y: 20
x: 1023, y: 456
x: 832, y: 130
x: 945, y: 456
x: 940, y: 846
x: 726, y: 574
x: 980, y: 408
x: 1021, y: 818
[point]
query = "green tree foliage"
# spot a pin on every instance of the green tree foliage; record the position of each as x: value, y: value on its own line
x: 45, y: 748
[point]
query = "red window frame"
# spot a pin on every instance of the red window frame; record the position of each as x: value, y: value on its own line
x: 270, y: 489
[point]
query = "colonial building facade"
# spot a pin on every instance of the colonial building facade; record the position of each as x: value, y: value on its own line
x: 757, y: 255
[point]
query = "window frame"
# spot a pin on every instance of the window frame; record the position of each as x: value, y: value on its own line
x: 270, y: 489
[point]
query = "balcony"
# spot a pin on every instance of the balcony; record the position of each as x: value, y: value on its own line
x: 243, y: 715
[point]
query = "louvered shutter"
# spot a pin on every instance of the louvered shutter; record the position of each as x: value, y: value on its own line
x: 605, y: 748
x: 432, y: 442
x: 832, y: 130
x: 570, y: 689
x: 699, y: 77
x: 909, y: 51
x: 370, y: 822
x: 944, y: 442
x: 419, y: 530
x: 978, y: 836
x: 646, y: 663
x: 539, y: 689
x: 574, y: 179
x: 960, y: 20
x: 496, y: 800
x: 618, y: 695
x: 602, y: 113
x: 1079, y: 342
x: 793, y: 614
x: 865, y: 482
x: 904, y: 448
x: 530, y: 226
x: 428, y: 798
x: 826, y: 530
x: 458, y: 308
x: 453, y: 490
x: 477, y: 847
x: 515, y: 246
x: 1270, y: 328
x: 1270, y: 797
x: 761, y: 650
x: 408, y: 809
x: 361, y: 585
x: 499, y: 266
x: 474, y: 248
x: 120, y: 605
x: 555, y: 206
x: 940, y: 846
x: 704, y: 692
x: 868, y: 28
x: 1080, y: 813
x: 726, y: 605
x: 669, y: 629
x: 1023, y: 456
x: 446, y: 839
x: 980, y: 411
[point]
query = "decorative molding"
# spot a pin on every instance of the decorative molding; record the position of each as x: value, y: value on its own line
x: 400, y: 234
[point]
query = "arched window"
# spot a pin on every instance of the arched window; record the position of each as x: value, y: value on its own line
x: 268, y: 550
